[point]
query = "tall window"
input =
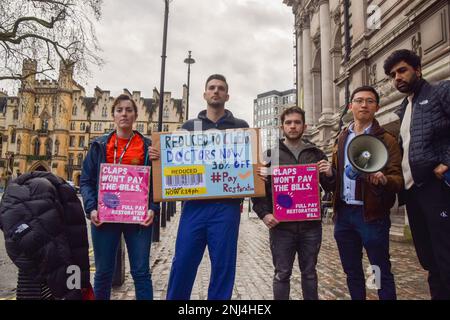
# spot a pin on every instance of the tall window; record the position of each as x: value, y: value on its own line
x: 16, y: 114
x: 72, y: 125
x: 70, y: 159
x: 36, y: 110
x: 13, y: 136
x: 19, y: 144
x: 82, y: 126
x: 56, y: 147
x: 80, y: 159
x: 74, y: 111
x: 72, y: 141
x: 44, y: 125
x: 48, y: 147
x: 36, y: 147
x: 166, y: 112
x: 81, y: 142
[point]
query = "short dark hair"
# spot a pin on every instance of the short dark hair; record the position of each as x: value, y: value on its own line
x: 217, y: 77
x: 124, y: 97
x: 366, y: 88
x: 397, y: 56
x: 291, y: 110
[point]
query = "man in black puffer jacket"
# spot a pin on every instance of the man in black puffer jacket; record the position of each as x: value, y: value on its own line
x: 425, y: 135
x: 45, y: 232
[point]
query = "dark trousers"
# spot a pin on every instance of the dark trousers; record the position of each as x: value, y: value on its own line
x: 352, y: 233
x: 286, y: 240
x: 428, y: 210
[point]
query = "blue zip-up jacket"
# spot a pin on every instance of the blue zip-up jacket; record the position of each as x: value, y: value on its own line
x: 91, y: 170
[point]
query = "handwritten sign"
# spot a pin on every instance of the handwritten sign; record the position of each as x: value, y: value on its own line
x: 296, y: 193
x: 123, y: 193
x: 207, y: 164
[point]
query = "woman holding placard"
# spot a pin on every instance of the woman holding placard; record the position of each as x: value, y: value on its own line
x: 123, y: 146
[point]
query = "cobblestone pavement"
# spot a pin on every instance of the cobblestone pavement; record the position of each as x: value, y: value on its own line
x: 255, y: 270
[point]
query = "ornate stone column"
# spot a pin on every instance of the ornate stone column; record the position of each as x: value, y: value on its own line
x: 299, y: 53
x: 326, y: 68
x: 307, y: 78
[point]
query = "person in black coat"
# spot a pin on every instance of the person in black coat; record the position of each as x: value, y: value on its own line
x: 45, y: 233
x: 425, y: 141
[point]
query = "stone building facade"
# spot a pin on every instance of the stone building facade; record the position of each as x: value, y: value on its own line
x: 267, y: 109
x: 49, y: 125
x: 327, y: 71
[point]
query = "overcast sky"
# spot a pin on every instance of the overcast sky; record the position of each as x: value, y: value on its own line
x: 248, y: 41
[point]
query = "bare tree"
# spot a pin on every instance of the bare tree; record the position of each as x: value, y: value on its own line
x: 48, y: 31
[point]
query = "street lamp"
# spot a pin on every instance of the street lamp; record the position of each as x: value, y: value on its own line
x: 189, y: 61
x: 163, y: 65
x: 159, y: 216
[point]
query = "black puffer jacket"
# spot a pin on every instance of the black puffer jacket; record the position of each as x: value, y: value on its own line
x: 430, y: 129
x: 45, y: 231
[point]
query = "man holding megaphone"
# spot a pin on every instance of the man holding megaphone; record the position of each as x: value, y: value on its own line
x: 366, y: 168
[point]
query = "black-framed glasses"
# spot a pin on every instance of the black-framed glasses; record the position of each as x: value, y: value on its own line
x: 361, y: 101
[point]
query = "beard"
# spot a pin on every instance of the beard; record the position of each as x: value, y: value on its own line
x: 293, y: 137
x: 408, y: 87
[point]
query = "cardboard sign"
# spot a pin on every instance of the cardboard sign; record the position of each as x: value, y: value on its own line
x: 210, y: 164
x: 123, y: 193
x: 296, y: 193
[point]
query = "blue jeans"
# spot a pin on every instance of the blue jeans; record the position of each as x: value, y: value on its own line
x: 106, y: 241
x: 202, y: 223
x: 352, y: 233
x: 286, y: 240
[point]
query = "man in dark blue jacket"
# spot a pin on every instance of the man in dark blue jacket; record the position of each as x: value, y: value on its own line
x: 208, y: 222
x: 425, y: 135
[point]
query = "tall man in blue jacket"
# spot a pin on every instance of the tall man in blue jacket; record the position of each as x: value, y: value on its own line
x: 425, y: 135
x: 207, y: 222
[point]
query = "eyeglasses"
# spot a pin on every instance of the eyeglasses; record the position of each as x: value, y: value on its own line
x: 361, y: 101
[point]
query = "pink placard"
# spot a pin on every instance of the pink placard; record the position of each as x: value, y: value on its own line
x: 296, y: 194
x: 123, y: 193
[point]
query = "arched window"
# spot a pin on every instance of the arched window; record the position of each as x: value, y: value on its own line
x: 74, y: 111
x: 36, y: 147
x: 80, y: 159
x: 19, y: 144
x: 48, y: 147
x: 56, y: 147
x: 44, y: 125
x: 70, y: 158
x: 166, y: 112
x: 13, y: 136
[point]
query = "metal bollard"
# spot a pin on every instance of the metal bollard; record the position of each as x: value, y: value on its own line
x: 174, y: 206
x: 168, y: 211
x: 156, y: 228
x: 119, y: 271
x: 163, y: 214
